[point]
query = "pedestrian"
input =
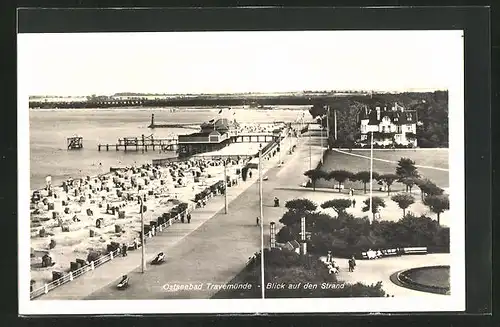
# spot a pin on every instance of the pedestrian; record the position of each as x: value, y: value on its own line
x: 182, y: 219
x: 189, y: 218
x: 354, y: 203
x: 124, y: 249
x: 258, y: 221
x: 250, y: 174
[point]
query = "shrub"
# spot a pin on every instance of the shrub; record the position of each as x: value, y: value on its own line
x: 183, y: 206
x: 346, y: 235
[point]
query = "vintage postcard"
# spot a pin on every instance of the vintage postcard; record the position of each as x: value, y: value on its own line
x: 241, y: 172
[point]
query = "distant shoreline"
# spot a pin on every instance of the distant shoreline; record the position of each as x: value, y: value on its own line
x: 402, y: 149
x: 174, y: 108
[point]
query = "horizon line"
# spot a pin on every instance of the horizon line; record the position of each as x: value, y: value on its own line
x: 361, y: 91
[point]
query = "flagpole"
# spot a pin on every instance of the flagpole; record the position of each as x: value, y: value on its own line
x: 261, y: 224
x: 328, y: 122
x: 321, y: 159
x: 310, y: 147
x: 225, y: 188
x: 371, y: 176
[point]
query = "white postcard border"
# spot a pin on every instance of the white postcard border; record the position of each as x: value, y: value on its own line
x: 453, y: 302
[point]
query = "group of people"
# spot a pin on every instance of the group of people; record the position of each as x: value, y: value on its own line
x: 334, y: 268
x: 188, y: 218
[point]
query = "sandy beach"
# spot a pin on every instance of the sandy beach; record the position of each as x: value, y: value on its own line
x: 67, y: 216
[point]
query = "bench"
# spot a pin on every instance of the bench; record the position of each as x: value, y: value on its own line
x: 415, y: 250
x: 393, y: 252
x: 383, y: 253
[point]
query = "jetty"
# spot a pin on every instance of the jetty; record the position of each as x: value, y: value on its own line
x: 153, y: 125
x: 75, y: 142
x: 143, y: 143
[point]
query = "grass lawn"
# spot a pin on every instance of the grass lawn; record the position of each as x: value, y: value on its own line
x: 430, y: 276
x: 433, y: 158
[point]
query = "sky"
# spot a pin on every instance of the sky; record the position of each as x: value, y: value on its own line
x: 232, y: 62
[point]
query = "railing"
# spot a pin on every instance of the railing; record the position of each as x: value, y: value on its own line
x: 72, y: 275
x: 96, y: 263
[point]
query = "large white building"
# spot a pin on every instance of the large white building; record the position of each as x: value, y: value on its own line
x: 390, y: 126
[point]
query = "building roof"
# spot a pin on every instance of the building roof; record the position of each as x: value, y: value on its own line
x: 222, y: 124
x: 397, y: 116
x: 196, y: 134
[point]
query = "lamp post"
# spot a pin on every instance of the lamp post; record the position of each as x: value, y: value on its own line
x: 261, y: 223
x: 371, y: 174
x: 143, y: 238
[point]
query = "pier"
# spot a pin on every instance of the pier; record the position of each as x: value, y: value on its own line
x: 152, y: 125
x: 75, y: 142
x: 196, y: 126
x: 143, y: 143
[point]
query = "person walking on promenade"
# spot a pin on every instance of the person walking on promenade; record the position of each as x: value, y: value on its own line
x: 182, y: 219
x: 189, y: 218
x: 352, y: 264
x: 354, y: 203
x: 124, y: 249
x: 258, y: 221
x: 250, y: 174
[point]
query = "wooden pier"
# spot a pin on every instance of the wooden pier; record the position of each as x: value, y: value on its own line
x: 143, y: 143
x: 75, y: 142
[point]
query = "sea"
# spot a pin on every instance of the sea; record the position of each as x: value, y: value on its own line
x: 50, y: 128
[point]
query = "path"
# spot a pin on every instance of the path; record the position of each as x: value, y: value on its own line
x: 385, y: 160
x: 373, y: 271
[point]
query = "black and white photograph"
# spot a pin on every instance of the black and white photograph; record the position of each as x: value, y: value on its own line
x: 249, y: 171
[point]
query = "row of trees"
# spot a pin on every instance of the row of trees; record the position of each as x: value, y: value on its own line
x: 347, y: 235
x: 406, y: 173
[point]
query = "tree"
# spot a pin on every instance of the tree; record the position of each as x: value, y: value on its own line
x: 406, y: 169
x: 314, y: 175
x: 377, y: 204
x: 427, y: 187
x: 297, y: 209
x: 388, y: 179
x: 409, y: 182
x: 403, y: 200
x: 301, y: 205
x: 339, y: 205
x: 438, y: 204
x: 317, y: 110
x: 364, y: 177
x: 340, y: 176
